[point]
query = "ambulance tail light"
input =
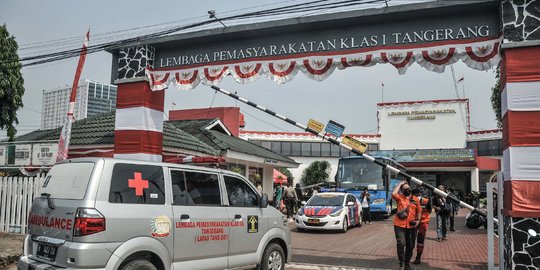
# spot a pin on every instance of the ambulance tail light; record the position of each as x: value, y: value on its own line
x: 88, y: 221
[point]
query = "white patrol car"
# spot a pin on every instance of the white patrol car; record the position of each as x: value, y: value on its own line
x: 102, y: 213
x: 329, y: 211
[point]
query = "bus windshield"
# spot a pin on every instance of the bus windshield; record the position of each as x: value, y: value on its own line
x: 357, y: 173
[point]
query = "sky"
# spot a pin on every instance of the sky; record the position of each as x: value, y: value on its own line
x: 348, y: 96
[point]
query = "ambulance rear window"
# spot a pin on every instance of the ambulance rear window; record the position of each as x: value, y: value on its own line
x: 68, y: 180
x: 138, y: 184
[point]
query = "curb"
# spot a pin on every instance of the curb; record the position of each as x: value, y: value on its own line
x: 304, y: 266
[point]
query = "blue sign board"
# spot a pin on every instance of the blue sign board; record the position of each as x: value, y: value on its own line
x: 334, y: 128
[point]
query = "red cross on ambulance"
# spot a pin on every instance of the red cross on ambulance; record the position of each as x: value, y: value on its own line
x: 138, y: 184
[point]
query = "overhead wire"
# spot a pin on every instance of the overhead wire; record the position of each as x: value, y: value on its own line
x: 287, y: 10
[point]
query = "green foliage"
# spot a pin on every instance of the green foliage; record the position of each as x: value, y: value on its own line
x: 287, y: 173
x: 496, y: 97
x: 11, y: 83
x: 317, y: 172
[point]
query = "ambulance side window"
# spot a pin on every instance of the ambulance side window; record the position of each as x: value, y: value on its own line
x: 180, y: 194
x: 137, y: 184
x: 239, y: 192
x: 203, y: 188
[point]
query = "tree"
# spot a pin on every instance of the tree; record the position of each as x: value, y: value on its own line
x: 11, y: 83
x: 287, y: 173
x: 317, y: 172
x: 496, y: 96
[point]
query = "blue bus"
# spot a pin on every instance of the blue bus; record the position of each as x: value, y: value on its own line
x: 355, y: 173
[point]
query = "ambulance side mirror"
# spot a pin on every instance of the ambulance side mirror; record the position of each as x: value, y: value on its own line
x: 264, y: 201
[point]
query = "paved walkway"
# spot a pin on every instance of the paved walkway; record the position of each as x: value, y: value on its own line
x: 374, y: 247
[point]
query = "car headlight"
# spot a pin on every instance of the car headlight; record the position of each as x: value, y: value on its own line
x: 300, y: 212
x: 337, y: 213
x: 378, y: 201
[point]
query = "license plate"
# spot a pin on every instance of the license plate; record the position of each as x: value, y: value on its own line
x: 313, y: 221
x: 46, y: 251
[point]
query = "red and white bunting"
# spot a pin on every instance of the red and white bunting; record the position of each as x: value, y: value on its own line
x: 481, y: 56
x: 187, y: 79
x: 399, y: 59
x: 214, y: 75
x: 360, y: 60
x: 478, y: 54
x: 281, y: 72
x: 318, y: 69
x: 437, y: 59
x: 246, y: 72
x: 158, y: 80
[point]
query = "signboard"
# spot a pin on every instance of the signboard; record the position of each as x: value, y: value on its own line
x: 338, y: 32
x: 354, y: 143
x: 429, y: 124
x: 315, y: 125
x: 429, y: 155
x: 334, y: 128
x: 44, y: 153
x: 2, y: 155
x: 23, y: 154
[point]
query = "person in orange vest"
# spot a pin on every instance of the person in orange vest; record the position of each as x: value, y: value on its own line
x: 406, y: 220
x: 425, y: 203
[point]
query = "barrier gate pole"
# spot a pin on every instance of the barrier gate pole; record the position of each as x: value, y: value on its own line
x: 366, y: 156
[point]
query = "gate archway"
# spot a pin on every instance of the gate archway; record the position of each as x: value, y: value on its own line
x: 432, y: 35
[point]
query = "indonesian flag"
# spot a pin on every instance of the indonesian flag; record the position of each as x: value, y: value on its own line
x: 461, y: 79
x: 65, y: 134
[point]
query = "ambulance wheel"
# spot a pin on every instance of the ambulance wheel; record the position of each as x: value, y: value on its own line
x: 345, y: 226
x: 273, y: 258
x: 139, y: 265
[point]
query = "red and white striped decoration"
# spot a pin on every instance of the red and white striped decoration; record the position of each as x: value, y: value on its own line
x: 138, y: 131
x: 481, y: 54
x: 520, y: 103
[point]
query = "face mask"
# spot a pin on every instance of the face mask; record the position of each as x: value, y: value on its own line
x: 406, y: 192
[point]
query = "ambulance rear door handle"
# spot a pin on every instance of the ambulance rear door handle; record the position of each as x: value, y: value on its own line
x: 237, y: 216
x: 184, y: 216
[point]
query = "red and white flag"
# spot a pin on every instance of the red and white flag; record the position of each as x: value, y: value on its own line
x: 461, y: 79
x: 65, y: 134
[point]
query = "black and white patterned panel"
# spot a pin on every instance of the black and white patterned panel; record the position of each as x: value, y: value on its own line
x: 133, y: 61
x: 521, y: 19
x: 523, y: 248
x: 507, y: 231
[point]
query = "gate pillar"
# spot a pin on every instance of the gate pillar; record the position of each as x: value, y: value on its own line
x: 138, y: 130
x: 520, y: 110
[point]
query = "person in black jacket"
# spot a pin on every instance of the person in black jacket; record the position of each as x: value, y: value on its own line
x: 299, y: 196
x: 365, y: 200
x: 439, y: 205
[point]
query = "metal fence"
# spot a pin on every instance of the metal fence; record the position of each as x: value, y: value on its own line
x: 16, y: 196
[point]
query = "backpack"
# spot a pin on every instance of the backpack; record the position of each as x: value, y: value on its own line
x: 447, y: 208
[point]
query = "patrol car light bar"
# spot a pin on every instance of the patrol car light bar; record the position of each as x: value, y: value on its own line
x: 366, y: 156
